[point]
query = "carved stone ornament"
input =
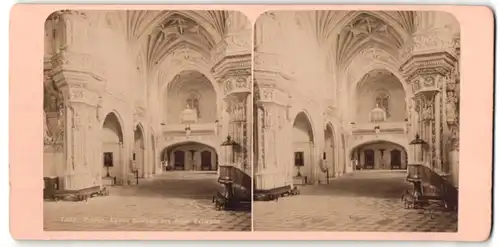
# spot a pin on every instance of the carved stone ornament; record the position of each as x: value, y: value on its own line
x: 416, y: 85
x: 454, y: 139
x: 451, y: 107
x: 430, y: 41
x: 429, y: 81
x: 267, y: 94
x: 427, y: 111
x: 417, y: 105
x: 237, y: 84
x: 80, y: 62
x: 219, y: 51
x: 238, y: 42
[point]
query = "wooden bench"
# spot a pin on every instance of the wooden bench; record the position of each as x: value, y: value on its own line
x: 80, y: 195
x: 276, y: 193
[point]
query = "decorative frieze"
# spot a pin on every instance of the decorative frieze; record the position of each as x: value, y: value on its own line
x: 270, y: 94
x: 65, y: 61
x: 237, y: 84
x: 431, y: 41
x: 234, y: 45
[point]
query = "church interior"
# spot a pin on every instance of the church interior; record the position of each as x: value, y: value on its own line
x: 137, y: 94
x: 337, y: 92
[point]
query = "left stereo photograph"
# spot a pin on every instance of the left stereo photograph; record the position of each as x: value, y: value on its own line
x: 147, y: 121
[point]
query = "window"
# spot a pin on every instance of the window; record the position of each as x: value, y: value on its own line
x: 382, y: 100
x: 194, y: 103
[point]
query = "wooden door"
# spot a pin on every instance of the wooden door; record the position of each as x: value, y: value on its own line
x: 369, y: 159
x: 206, y: 160
x: 395, y: 159
x: 179, y: 160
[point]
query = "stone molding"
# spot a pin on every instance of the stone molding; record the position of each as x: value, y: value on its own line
x: 234, y: 44
x: 78, y: 62
x: 430, y: 41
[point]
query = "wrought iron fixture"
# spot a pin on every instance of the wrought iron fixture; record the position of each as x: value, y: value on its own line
x: 229, y: 142
x: 418, y: 141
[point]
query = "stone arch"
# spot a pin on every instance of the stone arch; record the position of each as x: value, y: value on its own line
x: 112, y: 146
x: 184, y: 141
x: 115, y: 114
x: 305, y: 114
x: 303, y: 146
x: 165, y: 79
x: 358, y: 87
x: 362, y: 71
x: 185, y: 84
x: 387, y: 153
x: 397, y: 140
x: 192, y: 152
x: 139, y: 149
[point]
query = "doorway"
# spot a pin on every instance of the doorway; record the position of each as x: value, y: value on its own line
x: 179, y: 159
x: 395, y: 159
x: 206, y: 160
x: 369, y: 159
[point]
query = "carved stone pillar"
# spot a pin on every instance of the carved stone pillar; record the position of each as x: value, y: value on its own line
x: 77, y: 77
x: 232, y: 59
x: 275, y: 167
x: 429, y: 61
x: 72, y: 31
x: 274, y: 152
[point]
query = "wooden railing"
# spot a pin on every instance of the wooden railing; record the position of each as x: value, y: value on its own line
x: 236, y: 188
x: 242, y: 182
x: 432, y: 186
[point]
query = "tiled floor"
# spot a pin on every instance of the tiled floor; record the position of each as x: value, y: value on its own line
x: 363, y: 201
x: 175, y: 201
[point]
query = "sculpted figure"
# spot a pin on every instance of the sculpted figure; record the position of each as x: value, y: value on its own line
x: 451, y: 107
x: 47, y: 136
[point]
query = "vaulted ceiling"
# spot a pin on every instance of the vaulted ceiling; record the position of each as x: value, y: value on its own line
x: 344, y: 34
x: 156, y: 34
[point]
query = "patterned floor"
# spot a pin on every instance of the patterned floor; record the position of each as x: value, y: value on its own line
x: 363, y: 201
x: 175, y: 201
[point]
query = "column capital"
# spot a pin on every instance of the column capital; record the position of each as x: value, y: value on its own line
x: 77, y: 70
x: 68, y: 61
x: 234, y: 52
x: 430, y: 52
x: 269, y: 94
x: 73, y: 27
x: 237, y: 82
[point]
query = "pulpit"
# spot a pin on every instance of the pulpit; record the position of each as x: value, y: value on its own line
x: 235, y: 190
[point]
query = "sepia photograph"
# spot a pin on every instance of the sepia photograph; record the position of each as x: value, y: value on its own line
x: 356, y: 121
x: 147, y: 121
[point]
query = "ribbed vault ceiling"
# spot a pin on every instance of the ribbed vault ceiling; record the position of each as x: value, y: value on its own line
x: 156, y: 34
x: 344, y: 34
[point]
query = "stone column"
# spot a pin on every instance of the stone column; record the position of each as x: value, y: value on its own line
x: 232, y: 70
x: 429, y: 60
x: 275, y: 165
x: 78, y: 77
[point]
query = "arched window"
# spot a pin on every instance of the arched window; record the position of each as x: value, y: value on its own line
x: 193, y: 102
x: 382, y: 100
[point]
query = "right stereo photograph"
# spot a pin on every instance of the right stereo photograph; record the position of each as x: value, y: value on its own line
x: 356, y: 121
